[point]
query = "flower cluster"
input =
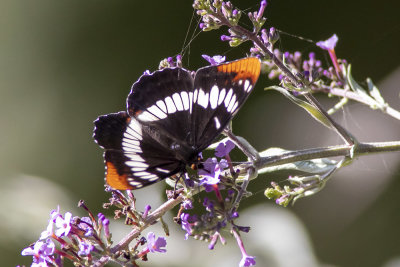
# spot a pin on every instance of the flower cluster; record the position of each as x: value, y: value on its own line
x: 217, y: 13
x: 219, y: 210
x: 310, y: 69
x: 171, y: 62
x: 83, y: 241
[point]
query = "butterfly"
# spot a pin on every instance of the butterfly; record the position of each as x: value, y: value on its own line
x: 172, y: 115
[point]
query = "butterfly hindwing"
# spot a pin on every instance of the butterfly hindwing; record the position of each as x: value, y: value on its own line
x: 133, y: 158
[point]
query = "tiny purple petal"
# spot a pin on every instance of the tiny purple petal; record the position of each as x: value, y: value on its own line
x: 155, y: 245
x: 48, y: 232
x: 187, y: 204
x: 224, y: 149
x: 223, y: 164
x: 247, y: 261
x: 262, y: 8
x: 106, y: 225
x: 186, y: 224
x: 146, y: 211
x: 225, y: 38
x: 328, y: 44
x: 85, y: 248
x: 210, y: 172
x: 215, y: 60
x: 63, y: 225
x: 235, y: 215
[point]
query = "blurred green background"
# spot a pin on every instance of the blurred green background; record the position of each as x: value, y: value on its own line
x: 65, y: 62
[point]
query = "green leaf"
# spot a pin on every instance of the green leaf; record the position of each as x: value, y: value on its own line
x: 314, y: 166
x: 374, y: 92
x: 358, y: 89
x: 314, y: 112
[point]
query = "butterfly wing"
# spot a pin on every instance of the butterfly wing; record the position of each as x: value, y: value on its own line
x: 133, y: 158
x: 219, y: 92
x: 162, y: 100
x: 171, y: 118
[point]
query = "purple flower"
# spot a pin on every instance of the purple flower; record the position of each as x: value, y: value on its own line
x: 225, y: 38
x: 215, y: 60
x: 106, y: 224
x: 210, y: 172
x: 41, y: 252
x: 146, y: 211
x: 247, y: 261
x: 155, y: 245
x: 328, y: 44
x: 185, y: 217
x: 223, y: 149
x: 187, y: 204
x: 262, y: 8
x: 49, y: 230
x: 63, y: 225
x: 85, y: 224
x: 85, y: 248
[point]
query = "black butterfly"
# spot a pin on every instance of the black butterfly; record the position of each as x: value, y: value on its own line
x: 171, y: 117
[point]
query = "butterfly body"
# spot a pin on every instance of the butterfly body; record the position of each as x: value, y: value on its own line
x: 172, y: 116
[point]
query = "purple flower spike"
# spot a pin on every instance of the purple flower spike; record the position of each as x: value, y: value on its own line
x: 328, y: 44
x: 223, y: 149
x: 155, y: 245
x: 215, y: 60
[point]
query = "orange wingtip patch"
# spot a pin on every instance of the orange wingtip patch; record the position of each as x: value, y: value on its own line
x: 244, y: 68
x: 116, y: 181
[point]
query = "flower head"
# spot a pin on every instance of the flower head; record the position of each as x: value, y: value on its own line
x: 185, y: 217
x: 63, y: 225
x: 85, y: 224
x: 247, y: 261
x: 41, y: 252
x: 210, y: 172
x: 155, y: 245
x: 85, y: 248
x: 215, y: 60
x: 224, y: 149
x: 328, y: 44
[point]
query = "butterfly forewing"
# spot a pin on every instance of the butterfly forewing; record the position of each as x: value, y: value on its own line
x: 219, y: 92
x: 162, y: 100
